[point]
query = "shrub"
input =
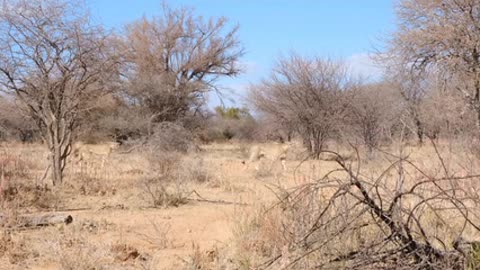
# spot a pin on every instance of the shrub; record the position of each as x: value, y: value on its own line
x: 17, y: 191
x: 396, y: 219
x: 192, y: 168
x: 228, y: 124
x: 161, y: 194
x: 171, y: 137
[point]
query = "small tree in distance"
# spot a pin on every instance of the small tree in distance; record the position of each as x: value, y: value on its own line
x: 308, y: 94
x: 373, y: 110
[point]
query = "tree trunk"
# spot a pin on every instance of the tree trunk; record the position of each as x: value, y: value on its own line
x: 317, y: 149
x: 57, y: 172
x: 307, y: 143
x: 420, y: 132
x: 59, y: 142
x: 475, y: 102
x: 413, y: 106
x: 317, y: 144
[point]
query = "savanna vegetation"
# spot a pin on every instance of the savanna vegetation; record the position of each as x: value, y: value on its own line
x: 112, y: 158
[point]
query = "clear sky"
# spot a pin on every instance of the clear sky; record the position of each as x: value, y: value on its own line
x: 345, y: 29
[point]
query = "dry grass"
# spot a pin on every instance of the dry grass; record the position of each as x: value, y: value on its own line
x: 161, y: 194
x: 273, y: 235
x: 202, y: 259
x: 118, y: 229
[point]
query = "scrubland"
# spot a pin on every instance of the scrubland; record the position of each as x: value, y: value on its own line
x: 213, y: 209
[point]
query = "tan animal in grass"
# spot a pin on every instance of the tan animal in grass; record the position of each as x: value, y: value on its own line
x: 90, y: 155
x: 272, y: 153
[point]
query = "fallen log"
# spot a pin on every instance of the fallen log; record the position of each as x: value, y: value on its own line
x: 26, y: 221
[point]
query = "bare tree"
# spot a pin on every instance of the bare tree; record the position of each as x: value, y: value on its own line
x: 54, y: 60
x: 453, y: 120
x: 271, y: 128
x: 412, y: 89
x: 373, y: 109
x: 308, y: 94
x: 445, y: 36
x: 176, y: 59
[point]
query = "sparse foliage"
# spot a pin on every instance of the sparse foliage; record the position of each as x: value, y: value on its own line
x: 441, y: 36
x: 171, y: 137
x: 176, y: 59
x: 54, y: 60
x: 372, y: 111
x: 309, y: 95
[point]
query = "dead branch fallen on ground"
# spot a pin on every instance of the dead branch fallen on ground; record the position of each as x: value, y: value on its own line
x: 27, y: 221
x: 202, y: 199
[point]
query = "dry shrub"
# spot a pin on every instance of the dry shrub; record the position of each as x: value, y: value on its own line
x: 256, y: 235
x: 92, y: 186
x: 163, y: 164
x: 26, y: 196
x: 16, y: 248
x: 13, y: 166
x: 175, y: 167
x: 161, y: 187
x: 23, y: 195
x: 161, y: 238
x: 17, y: 190
x: 171, y: 137
x: 66, y: 247
x: 166, y: 184
x: 202, y: 259
x: 161, y: 194
x: 124, y: 252
x: 170, y: 169
x: 472, y: 146
x: 72, y: 251
x: 403, y: 217
x: 192, y: 168
x: 268, y: 232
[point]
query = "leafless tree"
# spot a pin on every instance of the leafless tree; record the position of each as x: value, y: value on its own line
x: 176, y: 59
x: 444, y: 115
x: 54, y: 60
x: 412, y: 89
x: 268, y: 129
x: 307, y: 94
x: 373, y: 109
x: 443, y: 36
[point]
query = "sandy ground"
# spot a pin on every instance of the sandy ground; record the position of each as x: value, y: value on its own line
x: 164, y: 237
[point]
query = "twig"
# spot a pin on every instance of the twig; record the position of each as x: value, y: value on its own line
x: 202, y: 199
x: 44, y: 175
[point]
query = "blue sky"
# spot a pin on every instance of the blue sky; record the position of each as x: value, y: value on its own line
x: 347, y: 29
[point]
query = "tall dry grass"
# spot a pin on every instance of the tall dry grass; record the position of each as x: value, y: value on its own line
x: 428, y: 194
